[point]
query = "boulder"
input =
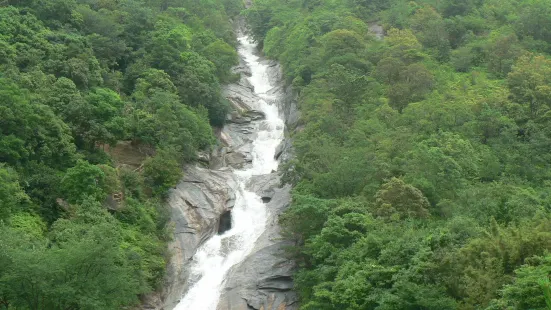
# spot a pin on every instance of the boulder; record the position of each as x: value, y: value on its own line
x: 235, y: 160
x: 264, y: 185
x: 284, y: 151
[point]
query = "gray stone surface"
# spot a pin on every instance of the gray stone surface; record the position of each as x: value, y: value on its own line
x: 263, y: 281
x: 196, y: 205
x: 377, y: 30
x: 284, y: 151
x: 264, y: 185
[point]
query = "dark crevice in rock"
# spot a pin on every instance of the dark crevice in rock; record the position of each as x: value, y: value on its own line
x: 225, y: 222
x: 278, y: 283
x: 266, y: 199
x: 251, y: 307
x: 189, y: 204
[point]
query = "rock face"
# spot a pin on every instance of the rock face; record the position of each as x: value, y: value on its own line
x: 377, y: 30
x: 196, y: 205
x: 263, y: 281
x: 264, y: 185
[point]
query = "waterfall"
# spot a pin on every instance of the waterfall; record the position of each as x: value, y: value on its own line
x: 219, y: 254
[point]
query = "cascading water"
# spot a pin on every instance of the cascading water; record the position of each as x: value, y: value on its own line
x: 216, y: 257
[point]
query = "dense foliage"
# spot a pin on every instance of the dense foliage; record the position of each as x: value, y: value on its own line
x: 423, y: 160
x: 101, y: 102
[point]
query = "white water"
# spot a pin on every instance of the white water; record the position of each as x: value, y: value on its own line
x: 216, y: 257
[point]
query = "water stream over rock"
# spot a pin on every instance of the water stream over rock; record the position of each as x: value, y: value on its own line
x: 241, y: 184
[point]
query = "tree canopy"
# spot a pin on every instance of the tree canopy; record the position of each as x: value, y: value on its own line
x: 101, y: 103
x: 422, y: 159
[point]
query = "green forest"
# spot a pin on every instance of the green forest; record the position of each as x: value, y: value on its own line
x: 101, y: 102
x: 422, y: 168
x: 423, y: 160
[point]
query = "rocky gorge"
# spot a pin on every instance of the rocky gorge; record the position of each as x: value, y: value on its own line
x: 202, y: 203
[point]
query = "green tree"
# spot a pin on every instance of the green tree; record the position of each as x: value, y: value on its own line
x: 526, y: 290
x: 162, y: 172
x: 530, y: 84
x: 399, y: 200
x: 197, y: 85
x: 12, y: 197
x: 84, y: 267
x: 223, y: 56
x: 456, y: 7
x: 82, y: 181
x: 31, y: 131
x: 502, y: 53
x: 534, y: 21
x: 430, y: 29
x: 414, y: 82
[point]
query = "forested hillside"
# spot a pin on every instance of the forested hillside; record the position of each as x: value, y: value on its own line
x: 423, y: 160
x: 101, y: 102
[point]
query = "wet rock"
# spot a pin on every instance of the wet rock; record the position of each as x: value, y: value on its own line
x: 288, y: 103
x: 234, y: 117
x: 241, y: 96
x: 264, y: 185
x: 236, y: 160
x: 238, y: 136
x: 264, y: 279
x: 151, y: 302
x: 255, y: 115
x: 245, y: 117
x: 275, y: 74
x: 244, y: 81
x: 284, y: 151
x: 228, y: 157
x: 196, y: 205
x: 229, y: 243
x: 242, y: 68
x: 279, y: 150
x: 238, y: 104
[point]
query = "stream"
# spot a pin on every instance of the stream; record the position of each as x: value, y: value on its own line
x: 213, y: 260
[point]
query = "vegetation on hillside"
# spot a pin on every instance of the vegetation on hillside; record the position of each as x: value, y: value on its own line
x: 81, y: 80
x: 423, y: 161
